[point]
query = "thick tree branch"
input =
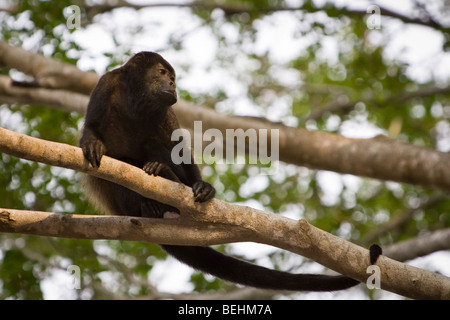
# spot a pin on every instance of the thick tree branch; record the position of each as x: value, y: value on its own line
x: 379, y: 158
x: 57, y: 98
x: 47, y: 72
x: 201, y: 224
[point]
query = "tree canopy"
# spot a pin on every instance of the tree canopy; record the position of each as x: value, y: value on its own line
x: 360, y: 94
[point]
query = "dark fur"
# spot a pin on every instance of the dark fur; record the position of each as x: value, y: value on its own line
x: 130, y: 118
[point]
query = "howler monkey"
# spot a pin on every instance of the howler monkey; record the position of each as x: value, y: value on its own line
x: 129, y: 117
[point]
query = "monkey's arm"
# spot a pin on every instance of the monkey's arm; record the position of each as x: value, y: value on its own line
x: 93, y: 148
x: 100, y: 101
x: 95, y: 121
x: 91, y: 142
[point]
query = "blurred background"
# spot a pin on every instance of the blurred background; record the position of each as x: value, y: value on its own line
x: 354, y: 68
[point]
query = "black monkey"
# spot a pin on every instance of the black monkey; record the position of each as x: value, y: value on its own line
x: 129, y: 117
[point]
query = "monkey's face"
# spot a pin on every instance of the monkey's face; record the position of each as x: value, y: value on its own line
x: 161, y: 84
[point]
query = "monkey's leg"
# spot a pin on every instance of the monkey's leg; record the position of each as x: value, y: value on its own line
x: 171, y: 215
x: 130, y: 203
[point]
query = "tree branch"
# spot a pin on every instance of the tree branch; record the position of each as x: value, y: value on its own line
x: 47, y: 72
x: 398, y: 221
x: 201, y: 223
x: 424, y: 18
x: 344, y: 107
x: 379, y: 158
x: 57, y: 98
x: 238, y: 8
x: 420, y: 246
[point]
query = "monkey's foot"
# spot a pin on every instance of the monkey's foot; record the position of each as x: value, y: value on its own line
x: 170, y: 215
x: 203, y: 191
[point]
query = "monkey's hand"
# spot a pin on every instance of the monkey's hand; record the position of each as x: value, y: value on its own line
x: 160, y: 169
x: 203, y: 191
x: 93, y: 150
x: 154, y: 167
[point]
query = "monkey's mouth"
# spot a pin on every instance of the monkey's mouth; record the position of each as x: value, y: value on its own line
x: 172, y: 92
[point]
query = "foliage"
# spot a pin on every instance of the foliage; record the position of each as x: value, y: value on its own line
x: 355, y: 84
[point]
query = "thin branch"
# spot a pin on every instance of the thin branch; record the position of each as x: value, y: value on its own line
x: 420, y: 246
x: 228, y: 9
x: 239, y: 8
x: 201, y: 223
x: 345, y: 107
x: 398, y: 221
x: 426, y: 19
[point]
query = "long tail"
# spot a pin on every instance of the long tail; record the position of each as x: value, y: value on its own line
x: 228, y: 268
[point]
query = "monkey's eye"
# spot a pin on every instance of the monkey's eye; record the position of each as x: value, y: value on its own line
x: 162, y: 71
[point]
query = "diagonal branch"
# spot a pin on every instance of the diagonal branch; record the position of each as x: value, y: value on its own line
x: 201, y: 224
x: 420, y: 246
x: 379, y: 158
x: 345, y: 107
x: 398, y: 221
